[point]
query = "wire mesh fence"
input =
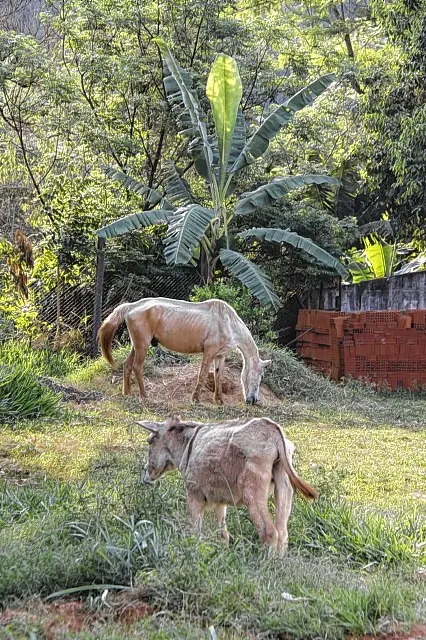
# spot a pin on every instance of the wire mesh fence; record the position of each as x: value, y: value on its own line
x: 72, y: 307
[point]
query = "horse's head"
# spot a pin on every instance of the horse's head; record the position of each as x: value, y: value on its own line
x: 251, y: 377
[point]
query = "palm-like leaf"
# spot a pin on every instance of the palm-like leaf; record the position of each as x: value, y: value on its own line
x: 359, y: 268
x: 224, y: 90
x: 278, y: 119
x: 187, y: 227
x: 268, y: 193
x: 151, y: 195
x: 189, y: 99
x: 134, y: 221
x: 380, y: 256
x: 299, y: 242
x: 177, y: 189
x: 256, y: 280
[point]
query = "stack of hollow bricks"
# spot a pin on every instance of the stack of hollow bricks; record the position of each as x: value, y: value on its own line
x: 386, y: 347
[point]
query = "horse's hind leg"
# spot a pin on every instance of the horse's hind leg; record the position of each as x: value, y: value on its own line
x: 127, y: 373
x: 141, y: 339
x: 219, y: 364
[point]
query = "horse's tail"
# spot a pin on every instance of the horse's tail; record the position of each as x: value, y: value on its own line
x: 108, y: 329
x: 285, y: 462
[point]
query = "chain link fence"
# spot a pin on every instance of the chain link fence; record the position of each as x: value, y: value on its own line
x: 72, y: 308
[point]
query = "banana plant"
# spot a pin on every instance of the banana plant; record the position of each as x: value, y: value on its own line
x: 376, y: 260
x: 219, y: 158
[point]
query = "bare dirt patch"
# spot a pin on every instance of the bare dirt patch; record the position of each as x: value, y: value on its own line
x: 418, y: 632
x: 72, y: 616
x: 70, y: 393
x: 174, y: 386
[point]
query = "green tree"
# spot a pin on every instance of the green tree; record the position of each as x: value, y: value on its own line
x: 394, y: 118
x: 218, y: 160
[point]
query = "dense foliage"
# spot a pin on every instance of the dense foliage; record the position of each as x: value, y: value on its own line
x: 81, y: 88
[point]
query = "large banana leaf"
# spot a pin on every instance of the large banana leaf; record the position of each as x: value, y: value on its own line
x: 133, y: 222
x: 238, y: 142
x: 187, y: 226
x: 224, y: 90
x: 256, y: 280
x: 299, y: 242
x: 278, y: 119
x: 380, y: 256
x: 268, y: 193
x: 177, y: 189
x: 359, y: 268
x: 189, y: 99
x: 151, y: 195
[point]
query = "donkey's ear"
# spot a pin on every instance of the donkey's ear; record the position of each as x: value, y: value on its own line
x: 153, y: 427
x: 265, y: 363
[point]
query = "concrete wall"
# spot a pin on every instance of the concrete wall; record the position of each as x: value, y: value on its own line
x: 395, y: 293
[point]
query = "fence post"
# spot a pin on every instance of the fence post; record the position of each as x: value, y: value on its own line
x: 97, y: 308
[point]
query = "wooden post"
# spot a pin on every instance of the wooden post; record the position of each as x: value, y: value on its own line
x: 97, y: 308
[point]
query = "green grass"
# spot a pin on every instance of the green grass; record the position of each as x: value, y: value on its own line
x: 41, y: 361
x: 83, y: 517
x: 23, y: 397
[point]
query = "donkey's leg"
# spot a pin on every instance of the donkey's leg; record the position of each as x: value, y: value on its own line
x: 255, y: 496
x: 208, y: 357
x: 283, y: 503
x: 221, y: 518
x: 219, y: 364
x: 196, y: 507
x: 127, y: 373
x: 261, y: 518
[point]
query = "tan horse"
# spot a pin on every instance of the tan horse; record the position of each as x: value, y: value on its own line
x: 211, y: 328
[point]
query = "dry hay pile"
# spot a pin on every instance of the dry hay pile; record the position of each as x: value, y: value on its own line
x: 174, y: 385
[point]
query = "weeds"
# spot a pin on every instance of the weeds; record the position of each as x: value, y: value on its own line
x: 43, y: 362
x: 23, y: 397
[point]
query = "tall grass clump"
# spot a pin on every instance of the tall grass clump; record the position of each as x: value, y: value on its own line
x: 23, y: 397
x: 357, y: 536
x: 40, y: 361
x: 288, y: 377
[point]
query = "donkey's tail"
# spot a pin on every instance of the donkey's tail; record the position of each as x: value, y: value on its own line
x: 108, y: 329
x: 297, y: 482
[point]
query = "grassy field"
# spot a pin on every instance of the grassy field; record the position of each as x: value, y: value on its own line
x: 74, y: 514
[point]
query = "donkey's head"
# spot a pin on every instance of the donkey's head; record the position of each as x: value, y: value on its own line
x: 251, y: 377
x: 162, y: 445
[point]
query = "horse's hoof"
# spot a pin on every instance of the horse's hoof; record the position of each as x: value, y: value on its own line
x: 142, y: 399
x: 195, y: 400
x: 218, y: 401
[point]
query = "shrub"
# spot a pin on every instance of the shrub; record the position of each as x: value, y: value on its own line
x: 22, y: 396
x: 259, y: 319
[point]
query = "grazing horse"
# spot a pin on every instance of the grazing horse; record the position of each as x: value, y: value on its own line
x: 211, y: 328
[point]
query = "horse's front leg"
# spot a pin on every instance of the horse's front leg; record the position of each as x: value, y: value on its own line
x: 208, y: 358
x: 219, y: 364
